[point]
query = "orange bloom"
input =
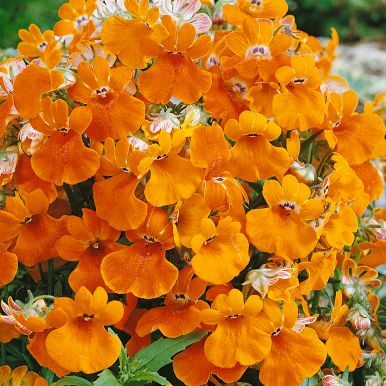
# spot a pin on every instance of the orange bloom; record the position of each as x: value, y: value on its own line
x: 239, y: 328
x: 371, y: 178
x: 172, y: 177
x: 26, y: 179
x: 296, y: 353
x: 319, y: 270
x: 34, y: 42
x: 193, y: 368
x: 282, y: 228
x: 75, y: 15
x: 300, y: 104
x: 78, y: 343
x: 8, y: 265
x: 256, y: 45
x: 253, y: 156
x: 29, y: 87
x: 89, y: 240
x: 115, y: 198
x: 64, y: 158
x: 270, y: 9
x: 349, y: 129
x: 210, y: 150
x: 20, y: 377
x: 30, y: 230
x: 7, y: 332
x: 187, y: 218
x: 223, y: 246
x: 121, y: 35
x: 342, y: 345
x: 181, y: 51
x: 103, y: 90
x: 142, y: 268
x: 181, y: 313
x: 373, y: 254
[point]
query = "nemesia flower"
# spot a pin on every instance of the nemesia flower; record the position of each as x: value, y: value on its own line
x: 238, y: 325
x: 180, y: 52
x: 84, y: 332
x: 28, y: 228
x: 193, y: 368
x: 20, y: 376
x: 308, y: 353
x: 34, y: 42
x: 103, y: 90
x: 181, y: 313
x: 253, y: 156
x: 285, y: 229
x: 221, y: 245
x: 300, y: 104
x: 65, y: 133
x: 172, y: 177
x: 143, y: 268
x: 89, y: 240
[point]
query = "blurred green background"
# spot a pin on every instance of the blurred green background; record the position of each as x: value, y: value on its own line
x: 354, y: 19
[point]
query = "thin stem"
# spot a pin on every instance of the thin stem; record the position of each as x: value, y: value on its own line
x: 51, y: 273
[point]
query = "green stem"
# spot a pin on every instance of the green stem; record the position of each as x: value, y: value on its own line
x: 51, y: 273
x: 3, y: 354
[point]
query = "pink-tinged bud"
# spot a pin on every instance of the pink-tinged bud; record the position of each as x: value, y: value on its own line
x: 359, y: 318
x: 8, y: 160
x: 330, y: 380
x: 333, y: 380
x: 304, y: 172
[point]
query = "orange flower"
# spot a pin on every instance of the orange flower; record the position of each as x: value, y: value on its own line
x: 300, y: 104
x: 210, y: 150
x: 75, y: 17
x: 270, y: 9
x: 89, y: 240
x: 285, y: 230
x: 20, y: 377
x: 121, y: 36
x: 30, y: 86
x: 193, y: 368
x: 342, y: 345
x: 115, y: 198
x: 256, y: 44
x: 253, y: 156
x: 319, y: 270
x: 26, y: 179
x: 78, y: 343
x: 30, y: 230
x: 7, y: 332
x: 8, y: 264
x: 34, y: 42
x: 181, y: 313
x: 181, y: 51
x: 103, y: 90
x: 296, y: 351
x: 187, y: 218
x: 142, y: 268
x: 64, y: 158
x: 172, y: 177
x: 238, y: 327
x: 223, y: 246
x: 348, y: 129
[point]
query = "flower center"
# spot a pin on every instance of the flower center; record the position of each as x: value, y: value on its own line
x: 277, y: 331
x: 149, y: 239
x: 260, y: 51
x: 162, y: 156
x: 87, y: 317
x: 288, y: 205
x: 42, y: 46
x: 299, y: 81
x: 81, y: 21
x: 102, y: 91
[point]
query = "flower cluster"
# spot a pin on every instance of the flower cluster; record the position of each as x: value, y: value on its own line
x: 199, y: 164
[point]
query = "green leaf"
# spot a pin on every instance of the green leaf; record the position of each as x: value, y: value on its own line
x: 311, y: 381
x: 160, y: 353
x: 149, y: 376
x: 73, y: 381
x: 106, y: 377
